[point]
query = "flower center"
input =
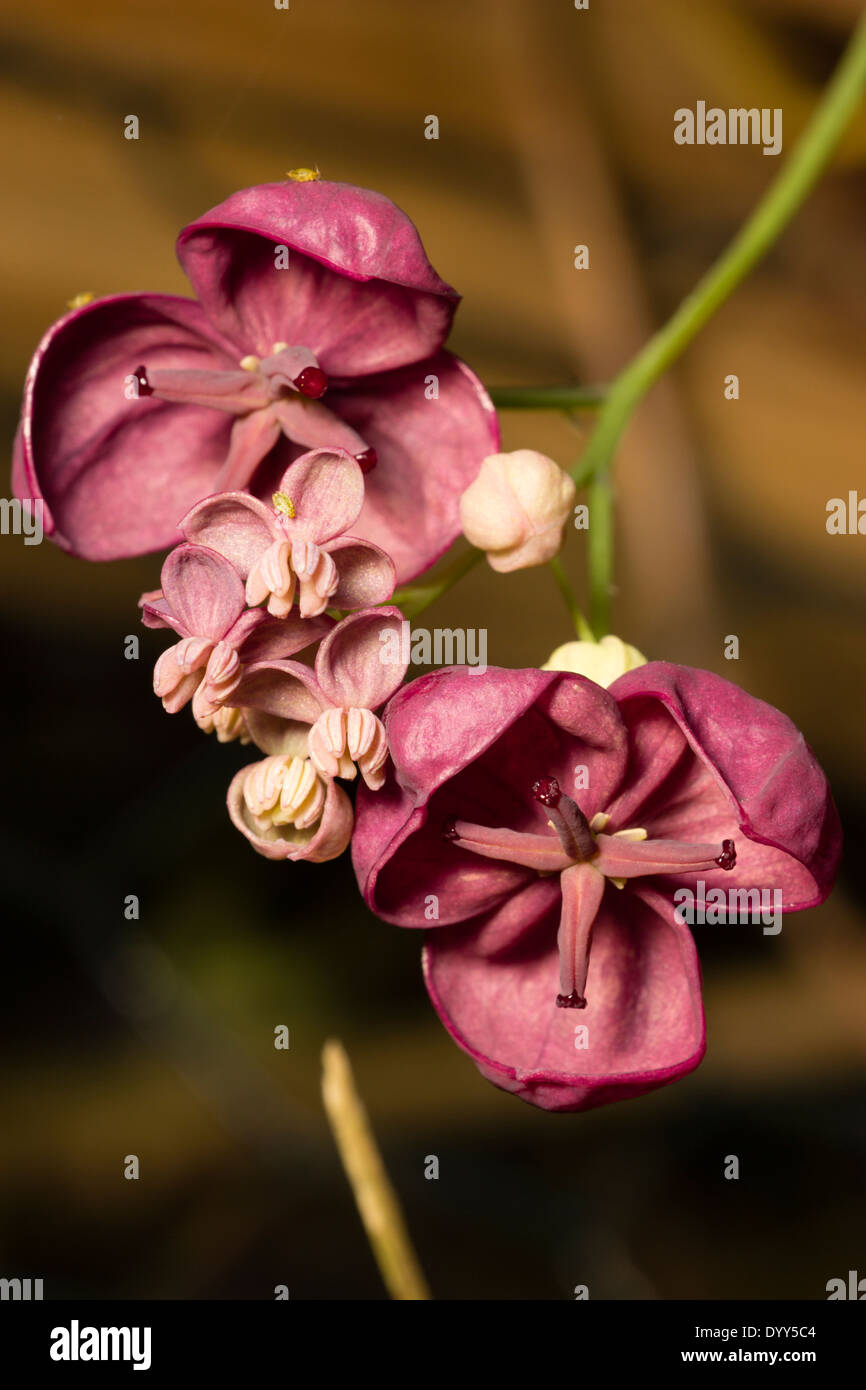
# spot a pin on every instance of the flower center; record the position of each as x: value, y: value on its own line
x: 278, y: 394
x: 282, y: 791
x: 287, y: 562
x: 585, y: 857
x: 340, y: 739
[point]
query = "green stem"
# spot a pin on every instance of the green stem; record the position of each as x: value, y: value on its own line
x: 547, y: 397
x: 775, y: 210
x: 581, y: 626
x: 600, y: 554
x: 617, y: 402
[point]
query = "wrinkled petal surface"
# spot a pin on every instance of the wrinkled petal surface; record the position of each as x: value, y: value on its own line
x: 384, y: 307
x: 644, y: 1016
x: 205, y: 592
x: 351, y: 664
x: 118, y: 472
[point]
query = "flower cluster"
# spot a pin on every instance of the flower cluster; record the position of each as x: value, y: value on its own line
x: 228, y: 592
x: 301, y: 439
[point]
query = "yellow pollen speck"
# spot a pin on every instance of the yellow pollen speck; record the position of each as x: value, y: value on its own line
x: 79, y: 300
x: 284, y: 504
x: 303, y: 175
x: 250, y: 363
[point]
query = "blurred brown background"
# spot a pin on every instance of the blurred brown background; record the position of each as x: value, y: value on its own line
x: 155, y: 1038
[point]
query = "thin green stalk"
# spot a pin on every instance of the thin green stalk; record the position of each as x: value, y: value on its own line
x: 581, y: 626
x: 786, y: 194
x: 600, y: 554
x: 617, y: 402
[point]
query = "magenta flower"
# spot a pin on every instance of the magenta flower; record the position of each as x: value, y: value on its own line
x: 545, y: 823
x: 202, y: 600
x: 353, y: 677
x: 301, y: 539
x: 319, y: 323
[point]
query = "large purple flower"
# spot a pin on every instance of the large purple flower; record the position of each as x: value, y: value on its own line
x: 319, y: 322
x: 544, y: 823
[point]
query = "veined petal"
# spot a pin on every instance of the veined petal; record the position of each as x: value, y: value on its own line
x: 366, y: 574
x: 354, y: 664
x: 286, y: 689
x: 205, y: 592
x: 236, y: 525
x: 260, y: 637
x: 358, y: 290
x: 116, y: 471
x: 643, y: 1015
x: 327, y: 491
x: 710, y: 761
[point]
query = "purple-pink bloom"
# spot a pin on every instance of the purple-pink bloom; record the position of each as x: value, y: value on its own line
x: 202, y: 600
x: 300, y: 540
x: 353, y: 677
x: 318, y: 322
x: 544, y: 824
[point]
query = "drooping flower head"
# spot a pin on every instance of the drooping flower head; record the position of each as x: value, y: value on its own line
x: 548, y: 822
x: 300, y: 540
x: 318, y: 322
x: 202, y: 600
x: 282, y: 804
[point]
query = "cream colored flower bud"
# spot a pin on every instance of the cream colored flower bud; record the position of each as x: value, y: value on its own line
x: 516, y: 508
x: 601, y: 661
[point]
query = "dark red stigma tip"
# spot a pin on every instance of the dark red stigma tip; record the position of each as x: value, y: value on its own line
x: 368, y: 460
x: 449, y: 829
x: 570, y: 1001
x: 312, y: 382
x: 546, y: 790
x: 728, y: 857
x: 144, y: 386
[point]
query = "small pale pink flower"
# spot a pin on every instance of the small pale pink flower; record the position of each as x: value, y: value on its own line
x: 283, y: 805
x: 353, y: 677
x: 516, y: 508
x: 301, y: 541
x: 202, y: 600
